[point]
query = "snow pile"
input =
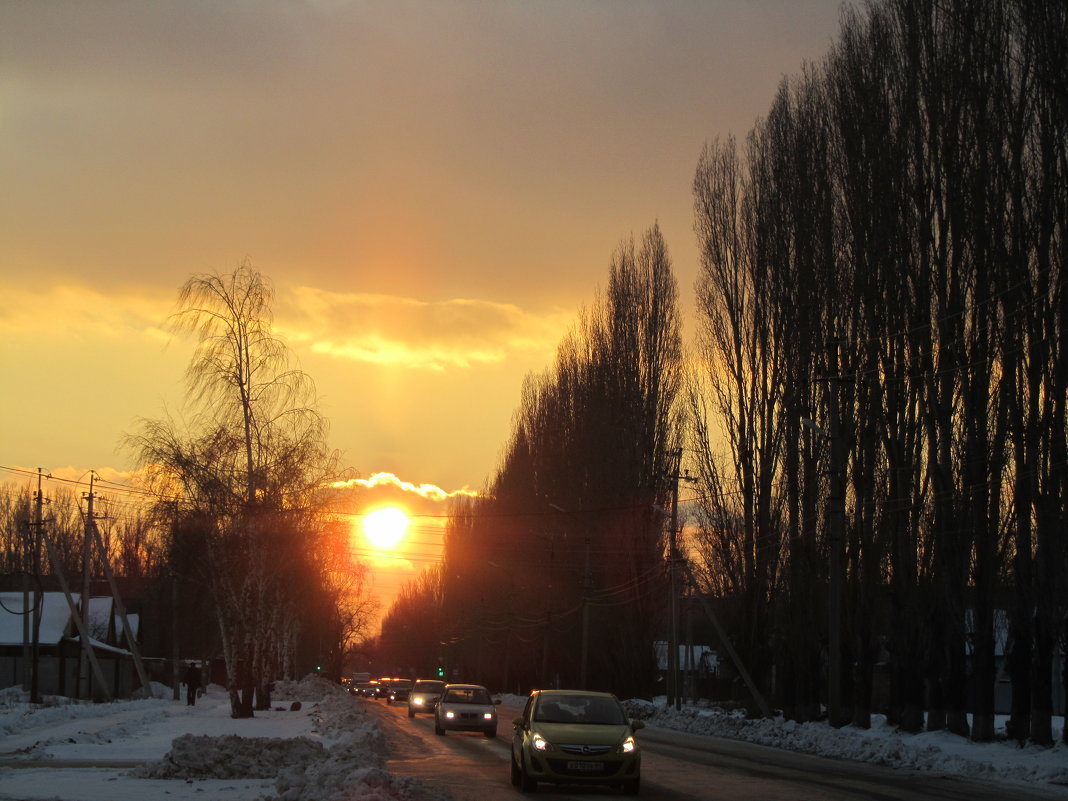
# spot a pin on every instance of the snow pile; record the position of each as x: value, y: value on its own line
x: 882, y: 744
x: 310, y: 688
x: 231, y: 757
x: 345, y: 760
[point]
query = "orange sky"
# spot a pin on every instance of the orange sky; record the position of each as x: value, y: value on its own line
x: 435, y: 189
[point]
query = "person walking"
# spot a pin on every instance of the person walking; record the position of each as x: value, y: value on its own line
x: 192, y: 683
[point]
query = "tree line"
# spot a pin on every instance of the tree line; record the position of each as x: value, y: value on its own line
x: 874, y: 403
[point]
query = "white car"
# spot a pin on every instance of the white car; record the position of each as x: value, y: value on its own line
x: 466, y: 707
x: 424, y: 696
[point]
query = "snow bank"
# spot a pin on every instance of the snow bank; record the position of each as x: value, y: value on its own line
x: 882, y: 744
x: 345, y: 763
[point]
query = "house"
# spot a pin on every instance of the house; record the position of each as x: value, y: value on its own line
x: 59, y: 645
x: 698, y: 668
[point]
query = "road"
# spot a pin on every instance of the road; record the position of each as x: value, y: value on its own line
x: 675, y: 767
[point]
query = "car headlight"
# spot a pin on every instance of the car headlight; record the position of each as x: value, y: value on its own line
x: 541, y: 744
x: 450, y: 714
x: 628, y: 746
x: 487, y: 715
x: 417, y: 701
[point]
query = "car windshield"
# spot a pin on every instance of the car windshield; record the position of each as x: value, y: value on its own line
x: 429, y: 686
x: 467, y: 695
x: 400, y: 685
x: 580, y: 709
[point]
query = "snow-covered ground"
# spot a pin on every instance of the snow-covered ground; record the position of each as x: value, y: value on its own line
x: 882, y: 744
x: 328, y: 749
x: 332, y: 749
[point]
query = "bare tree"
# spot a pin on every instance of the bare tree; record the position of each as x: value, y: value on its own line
x: 251, y: 471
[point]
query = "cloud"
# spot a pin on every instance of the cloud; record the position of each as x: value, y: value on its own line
x: 429, y: 492
x: 430, y: 335
x: 71, y: 309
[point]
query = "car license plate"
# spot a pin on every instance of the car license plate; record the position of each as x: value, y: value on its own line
x: 586, y: 767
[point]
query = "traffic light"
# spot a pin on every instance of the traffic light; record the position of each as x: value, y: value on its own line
x: 441, y: 672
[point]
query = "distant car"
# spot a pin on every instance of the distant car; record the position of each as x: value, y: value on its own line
x: 370, y: 690
x: 398, y: 691
x: 424, y: 696
x: 465, y: 707
x: 575, y: 737
x: 382, y: 688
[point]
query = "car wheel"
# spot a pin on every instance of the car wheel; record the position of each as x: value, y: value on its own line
x: 515, y: 771
x: 490, y: 732
x: 411, y: 713
x: 439, y: 729
x: 631, y: 787
x: 526, y: 783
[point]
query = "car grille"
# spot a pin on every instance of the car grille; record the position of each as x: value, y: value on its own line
x: 560, y: 768
x: 469, y: 716
x: 586, y: 750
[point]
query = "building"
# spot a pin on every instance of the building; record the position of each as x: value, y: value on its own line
x: 59, y: 646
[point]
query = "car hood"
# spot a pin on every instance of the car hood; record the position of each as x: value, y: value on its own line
x: 582, y: 733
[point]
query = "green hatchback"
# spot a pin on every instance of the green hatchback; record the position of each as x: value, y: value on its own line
x: 575, y: 737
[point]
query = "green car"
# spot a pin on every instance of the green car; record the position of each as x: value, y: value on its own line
x: 575, y: 737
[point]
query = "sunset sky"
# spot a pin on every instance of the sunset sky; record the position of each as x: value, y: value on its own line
x: 434, y: 188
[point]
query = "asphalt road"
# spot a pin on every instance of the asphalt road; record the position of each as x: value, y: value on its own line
x: 676, y: 767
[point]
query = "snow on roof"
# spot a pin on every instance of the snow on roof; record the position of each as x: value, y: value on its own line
x: 701, y: 656
x: 134, y: 620
x: 100, y: 616
x: 55, y: 617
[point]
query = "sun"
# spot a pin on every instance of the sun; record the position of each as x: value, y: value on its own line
x: 385, y: 527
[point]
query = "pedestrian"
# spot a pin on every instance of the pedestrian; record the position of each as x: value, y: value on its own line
x: 192, y: 683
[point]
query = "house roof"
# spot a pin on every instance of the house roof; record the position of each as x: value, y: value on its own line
x: 699, y: 653
x: 55, y: 617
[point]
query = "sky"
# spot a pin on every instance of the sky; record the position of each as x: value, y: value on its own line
x: 115, y: 736
x: 434, y: 189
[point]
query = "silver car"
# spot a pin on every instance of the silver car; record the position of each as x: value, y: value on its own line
x: 466, y: 707
x: 424, y: 696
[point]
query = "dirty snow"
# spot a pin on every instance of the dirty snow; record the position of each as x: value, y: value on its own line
x: 330, y: 749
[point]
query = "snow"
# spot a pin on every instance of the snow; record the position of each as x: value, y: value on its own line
x: 882, y: 744
x: 332, y: 749
x: 55, y: 616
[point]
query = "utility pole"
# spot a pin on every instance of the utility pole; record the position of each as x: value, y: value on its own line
x: 84, y: 681
x: 587, y: 581
x: 38, y: 596
x: 836, y: 543
x: 587, y: 584
x: 674, y: 691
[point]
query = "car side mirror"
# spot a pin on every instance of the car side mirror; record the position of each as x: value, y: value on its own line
x: 496, y: 701
x: 518, y: 723
x: 637, y: 724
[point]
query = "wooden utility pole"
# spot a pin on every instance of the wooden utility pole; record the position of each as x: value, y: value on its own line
x: 75, y: 614
x: 38, y: 596
x: 120, y: 609
x: 836, y: 544
x: 84, y: 681
x: 674, y: 688
x: 673, y: 694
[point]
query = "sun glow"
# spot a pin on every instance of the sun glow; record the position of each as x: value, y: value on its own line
x: 384, y: 528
